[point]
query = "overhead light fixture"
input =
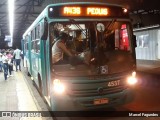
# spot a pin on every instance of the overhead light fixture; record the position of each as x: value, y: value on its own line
x: 11, y: 17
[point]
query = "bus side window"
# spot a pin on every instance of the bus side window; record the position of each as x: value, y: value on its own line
x: 37, y: 46
x: 44, y: 29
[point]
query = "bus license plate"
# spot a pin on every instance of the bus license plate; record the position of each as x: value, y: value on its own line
x: 100, y: 101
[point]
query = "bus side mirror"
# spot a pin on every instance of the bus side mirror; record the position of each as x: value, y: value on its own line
x: 134, y: 41
x: 44, y: 30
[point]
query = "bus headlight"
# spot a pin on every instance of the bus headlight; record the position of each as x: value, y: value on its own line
x: 58, y: 87
x: 132, y: 80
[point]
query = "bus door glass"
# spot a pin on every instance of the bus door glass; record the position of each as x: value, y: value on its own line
x: 124, y: 38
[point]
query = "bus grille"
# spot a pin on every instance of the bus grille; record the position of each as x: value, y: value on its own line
x: 94, y: 92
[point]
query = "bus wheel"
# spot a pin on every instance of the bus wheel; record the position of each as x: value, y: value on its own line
x: 28, y: 74
x: 40, y: 84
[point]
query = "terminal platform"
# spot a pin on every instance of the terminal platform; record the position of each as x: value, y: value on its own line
x: 16, y: 95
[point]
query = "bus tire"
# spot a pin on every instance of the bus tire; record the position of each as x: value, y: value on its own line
x: 40, y: 84
x: 28, y: 74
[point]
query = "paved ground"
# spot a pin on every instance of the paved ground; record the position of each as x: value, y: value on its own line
x: 16, y: 96
x: 152, y: 67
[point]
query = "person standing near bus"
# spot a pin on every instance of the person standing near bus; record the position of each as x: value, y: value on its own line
x: 17, y: 54
x: 1, y: 63
x: 10, y: 62
x: 5, y: 65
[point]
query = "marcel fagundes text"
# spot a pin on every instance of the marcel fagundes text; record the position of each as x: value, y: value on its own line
x: 143, y: 114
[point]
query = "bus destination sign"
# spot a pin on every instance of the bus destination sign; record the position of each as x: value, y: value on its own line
x: 88, y: 11
x: 84, y: 11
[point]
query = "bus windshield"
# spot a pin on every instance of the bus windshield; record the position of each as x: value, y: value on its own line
x: 95, y: 45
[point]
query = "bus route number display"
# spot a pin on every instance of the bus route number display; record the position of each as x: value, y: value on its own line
x: 72, y: 10
x: 84, y: 11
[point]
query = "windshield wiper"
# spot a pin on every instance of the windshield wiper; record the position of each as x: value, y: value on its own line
x: 78, y: 26
x: 109, y: 26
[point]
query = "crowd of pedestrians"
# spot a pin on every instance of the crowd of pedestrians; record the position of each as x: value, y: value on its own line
x: 8, y: 59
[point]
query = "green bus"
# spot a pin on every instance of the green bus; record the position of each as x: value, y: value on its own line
x: 103, y: 71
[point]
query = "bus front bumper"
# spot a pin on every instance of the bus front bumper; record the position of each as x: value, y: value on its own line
x: 64, y: 102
